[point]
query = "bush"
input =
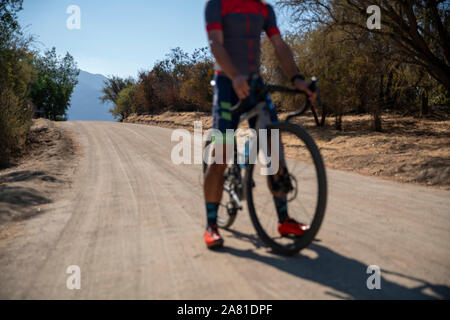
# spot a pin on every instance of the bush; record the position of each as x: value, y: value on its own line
x: 125, y: 103
x: 180, y: 82
x: 16, y: 74
x: 197, y: 89
x: 15, y: 122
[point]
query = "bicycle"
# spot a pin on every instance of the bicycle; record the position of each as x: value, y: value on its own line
x: 293, y: 137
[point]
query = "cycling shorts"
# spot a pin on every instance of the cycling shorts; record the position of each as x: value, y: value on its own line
x: 225, y: 98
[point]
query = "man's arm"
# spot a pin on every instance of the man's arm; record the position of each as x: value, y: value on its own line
x: 287, y: 62
x: 284, y: 55
x: 240, y: 84
x: 213, y: 19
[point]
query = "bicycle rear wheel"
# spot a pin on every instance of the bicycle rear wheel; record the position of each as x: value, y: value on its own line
x: 307, y: 199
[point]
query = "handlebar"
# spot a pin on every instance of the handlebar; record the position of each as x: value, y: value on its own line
x: 269, y: 88
x: 261, y: 90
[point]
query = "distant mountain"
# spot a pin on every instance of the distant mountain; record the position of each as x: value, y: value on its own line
x: 85, y: 103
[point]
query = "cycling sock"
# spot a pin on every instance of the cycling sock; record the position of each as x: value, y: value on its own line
x: 281, y: 206
x: 211, y: 213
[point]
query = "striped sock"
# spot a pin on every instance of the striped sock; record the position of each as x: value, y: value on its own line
x: 281, y: 206
x: 211, y: 213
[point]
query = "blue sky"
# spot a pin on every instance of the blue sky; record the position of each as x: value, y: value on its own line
x: 117, y: 37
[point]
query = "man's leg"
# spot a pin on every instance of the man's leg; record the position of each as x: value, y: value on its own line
x: 224, y: 97
x: 279, y: 197
x: 274, y: 183
x: 213, y: 189
x: 286, y: 225
x: 278, y: 185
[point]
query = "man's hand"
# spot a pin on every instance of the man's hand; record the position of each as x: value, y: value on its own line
x: 303, y: 86
x: 241, y: 87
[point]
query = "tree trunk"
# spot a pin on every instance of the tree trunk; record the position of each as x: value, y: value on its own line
x: 362, y: 107
x: 381, y: 92
x: 377, y: 120
x: 324, y: 116
x: 376, y: 109
x: 424, y: 105
x: 338, y: 123
x: 388, y: 101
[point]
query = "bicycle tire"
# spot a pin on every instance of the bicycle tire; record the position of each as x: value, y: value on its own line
x: 319, y: 214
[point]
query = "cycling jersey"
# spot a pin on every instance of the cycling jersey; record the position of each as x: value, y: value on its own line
x: 242, y: 22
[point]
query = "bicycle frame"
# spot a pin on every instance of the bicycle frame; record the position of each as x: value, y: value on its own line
x: 256, y: 111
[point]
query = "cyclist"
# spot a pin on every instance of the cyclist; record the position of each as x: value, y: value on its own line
x: 234, y: 31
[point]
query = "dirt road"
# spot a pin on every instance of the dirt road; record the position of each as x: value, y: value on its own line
x: 133, y: 222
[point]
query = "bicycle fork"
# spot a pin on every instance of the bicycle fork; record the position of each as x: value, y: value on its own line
x: 234, y: 196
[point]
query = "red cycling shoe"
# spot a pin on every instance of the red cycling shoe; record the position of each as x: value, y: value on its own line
x: 292, y: 227
x: 212, y: 238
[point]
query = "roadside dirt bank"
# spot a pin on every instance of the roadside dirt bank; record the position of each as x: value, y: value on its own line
x: 40, y: 175
x: 409, y: 150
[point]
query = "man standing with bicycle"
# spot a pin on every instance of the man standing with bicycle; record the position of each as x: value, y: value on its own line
x: 234, y: 31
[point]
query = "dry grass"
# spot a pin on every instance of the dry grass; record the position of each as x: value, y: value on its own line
x: 409, y: 150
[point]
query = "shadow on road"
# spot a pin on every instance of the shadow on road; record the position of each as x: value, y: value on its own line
x: 21, y: 176
x: 18, y: 196
x: 343, y: 274
x: 16, y: 203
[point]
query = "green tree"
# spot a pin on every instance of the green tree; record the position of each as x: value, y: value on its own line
x: 16, y: 74
x: 125, y: 103
x: 57, y: 77
x: 418, y: 30
x: 196, y: 88
x: 9, y: 25
x: 112, y: 87
x: 179, y: 82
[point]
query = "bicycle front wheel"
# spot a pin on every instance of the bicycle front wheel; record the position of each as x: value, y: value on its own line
x: 306, y: 197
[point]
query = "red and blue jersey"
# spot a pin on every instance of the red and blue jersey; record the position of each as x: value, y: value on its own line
x: 242, y: 22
